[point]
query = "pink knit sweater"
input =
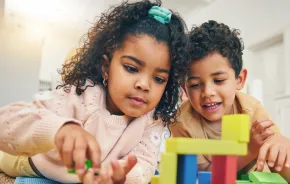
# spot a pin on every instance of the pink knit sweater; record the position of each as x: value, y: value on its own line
x: 29, y: 129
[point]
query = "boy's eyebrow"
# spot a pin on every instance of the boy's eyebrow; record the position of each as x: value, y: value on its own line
x: 139, y: 62
x: 213, y: 74
x: 218, y: 73
x: 162, y: 70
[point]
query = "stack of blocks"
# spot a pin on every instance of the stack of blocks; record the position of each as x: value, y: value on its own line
x: 179, y: 162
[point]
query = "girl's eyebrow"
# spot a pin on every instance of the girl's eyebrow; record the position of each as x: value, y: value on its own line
x: 141, y: 63
x: 136, y: 60
x: 192, y: 77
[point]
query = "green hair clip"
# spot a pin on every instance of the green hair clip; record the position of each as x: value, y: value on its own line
x: 162, y: 15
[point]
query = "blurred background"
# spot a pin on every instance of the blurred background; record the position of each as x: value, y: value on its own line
x: 37, y: 35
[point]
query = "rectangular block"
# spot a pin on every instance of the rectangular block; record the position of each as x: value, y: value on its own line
x: 155, y: 180
x: 236, y: 127
x: 243, y: 182
x: 266, y: 178
x: 205, y: 146
x: 187, y: 169
x: 204, y: 177
x: 168, y: 169
x: 224, y: 169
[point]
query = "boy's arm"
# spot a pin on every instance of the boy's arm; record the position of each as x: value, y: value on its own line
x: 30, y: 128
x: 147, y: 153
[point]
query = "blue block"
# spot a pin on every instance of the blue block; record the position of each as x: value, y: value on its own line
x: 204, y: 177
x: 28, y: 180
x: 187, y: 169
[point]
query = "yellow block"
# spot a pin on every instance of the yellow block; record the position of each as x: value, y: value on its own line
x: 205, y: 146
x: 168, y: 170
x: 236, y: 128
x: 155, y: 180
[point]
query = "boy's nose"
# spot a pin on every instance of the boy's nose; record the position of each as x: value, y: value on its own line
x: 208, y: 91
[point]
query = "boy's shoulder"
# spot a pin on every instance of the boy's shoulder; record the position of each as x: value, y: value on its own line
x: 246, y: 102
x: 187, y: 114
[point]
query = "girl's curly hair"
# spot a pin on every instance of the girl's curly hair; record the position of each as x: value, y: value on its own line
x: 213, y: 37
x: 109, y: 33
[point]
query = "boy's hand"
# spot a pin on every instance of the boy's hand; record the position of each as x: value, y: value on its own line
x: 114, y: 174
x: 260, y: 131
x: 277, y: 151
x: 75, y: 146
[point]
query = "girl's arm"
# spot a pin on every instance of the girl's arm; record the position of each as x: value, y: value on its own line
x: 30, y: 128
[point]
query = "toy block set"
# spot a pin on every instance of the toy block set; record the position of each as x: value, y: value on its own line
x: 179, y: 162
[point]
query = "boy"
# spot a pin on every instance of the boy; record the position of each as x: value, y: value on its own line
x: 215, y: 75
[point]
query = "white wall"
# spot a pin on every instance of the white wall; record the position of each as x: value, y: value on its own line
x: 258, y: 20
x: 19, y: 66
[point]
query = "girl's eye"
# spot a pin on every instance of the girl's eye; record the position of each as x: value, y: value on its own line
x: 130, y: 69
x: 159, y: 80
x: 195, y: 85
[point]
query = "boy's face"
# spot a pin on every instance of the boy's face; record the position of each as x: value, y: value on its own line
x: 211, y: 86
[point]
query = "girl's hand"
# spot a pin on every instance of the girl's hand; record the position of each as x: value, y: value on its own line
x: 75, y: 146
x: 276, y: 151
x: 115, y: 173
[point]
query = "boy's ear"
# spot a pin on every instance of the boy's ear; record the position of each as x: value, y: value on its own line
x: 241, y: 80
x: 105, y: 67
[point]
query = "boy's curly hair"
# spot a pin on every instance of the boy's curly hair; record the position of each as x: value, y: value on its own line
x: 213, y: 37
x: 109, y: 33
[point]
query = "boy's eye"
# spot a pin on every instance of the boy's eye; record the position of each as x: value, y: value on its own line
x: 130, y: 69
x: 159, y: 80
x: 219, y: 81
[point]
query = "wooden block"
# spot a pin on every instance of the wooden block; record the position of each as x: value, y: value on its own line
x: 204, y: 177
x: 266, y: 178
x: 155, y: 180
x: 187, y: 169
x: 168, y: 169
x: 224, y: 169
x: 205, y: 146
x: 236, y: 128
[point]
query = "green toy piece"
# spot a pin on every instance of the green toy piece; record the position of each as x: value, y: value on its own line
x: 266, y: 178
x: 88, y: 166
x: 243, y: 182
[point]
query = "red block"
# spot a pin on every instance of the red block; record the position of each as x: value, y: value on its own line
x: 224, y: 169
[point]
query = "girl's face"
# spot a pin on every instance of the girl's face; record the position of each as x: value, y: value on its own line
x: 137, y: 76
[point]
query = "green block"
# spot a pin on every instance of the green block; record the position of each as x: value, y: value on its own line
x: 88, y: 165
x: 243, y: 182
x: 245, y: 177
x: 266, y: 178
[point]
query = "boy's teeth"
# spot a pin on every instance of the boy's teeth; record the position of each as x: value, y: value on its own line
x: 208, y: 105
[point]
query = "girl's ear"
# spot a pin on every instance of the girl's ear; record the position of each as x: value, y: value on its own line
x: 241, y: 80
x: 184, y: 89
x: 105, y: 67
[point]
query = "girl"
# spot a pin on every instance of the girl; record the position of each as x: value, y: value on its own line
x: 119, y: 91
